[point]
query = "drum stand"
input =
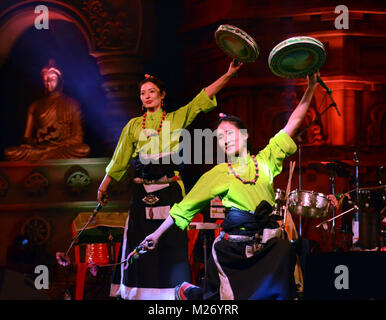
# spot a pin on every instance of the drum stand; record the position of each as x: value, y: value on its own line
x: 205, y: 227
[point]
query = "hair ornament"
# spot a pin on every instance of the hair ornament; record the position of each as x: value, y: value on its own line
x: 222, y: 115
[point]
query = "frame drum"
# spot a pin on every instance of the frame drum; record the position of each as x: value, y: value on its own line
x: 236, y: 43
x: 297, y: 57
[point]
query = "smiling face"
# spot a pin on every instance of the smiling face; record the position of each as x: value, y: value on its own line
x: 231, y: 139
x: 151, y: 96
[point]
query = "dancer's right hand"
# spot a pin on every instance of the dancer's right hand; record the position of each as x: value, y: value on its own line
x: 150, y: 242
x: 63, y: 259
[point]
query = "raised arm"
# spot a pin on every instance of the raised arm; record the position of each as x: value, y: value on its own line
x: 216, y: 86
x: 297, y: 116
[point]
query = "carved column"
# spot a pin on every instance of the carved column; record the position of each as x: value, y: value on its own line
x: 123, y: 34
x: 122, y: 74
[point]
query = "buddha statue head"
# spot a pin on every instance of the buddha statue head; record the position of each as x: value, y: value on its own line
x: 52, y: 77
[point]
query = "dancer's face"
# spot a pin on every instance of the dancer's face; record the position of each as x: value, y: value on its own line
x: 231, y: 139
x: 151, y: 96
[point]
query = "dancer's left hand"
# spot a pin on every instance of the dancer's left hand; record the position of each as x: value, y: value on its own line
x: 232, y: 70
x: 313, y: 79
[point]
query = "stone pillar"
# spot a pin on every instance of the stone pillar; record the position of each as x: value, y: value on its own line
x: 122, y: 73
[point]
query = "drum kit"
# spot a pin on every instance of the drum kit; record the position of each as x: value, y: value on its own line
x: 298, y: 57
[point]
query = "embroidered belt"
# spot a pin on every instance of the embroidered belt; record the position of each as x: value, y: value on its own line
x: 236, y: 237
x: 268, y: 234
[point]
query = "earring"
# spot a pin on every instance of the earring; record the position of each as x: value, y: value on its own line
x: 162, y: 103
x: 143, y: 107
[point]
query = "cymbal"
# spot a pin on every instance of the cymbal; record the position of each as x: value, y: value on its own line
x: 347, y: 148
x: 338, y: 168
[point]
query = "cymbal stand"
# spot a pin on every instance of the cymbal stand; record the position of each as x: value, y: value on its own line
x: 300, y: 186
x: 332, y: 179
x: 356, y: 214
x: 333, y: 104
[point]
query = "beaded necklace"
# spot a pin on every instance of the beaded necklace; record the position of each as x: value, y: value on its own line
x: 160, y: 125
x: 253, y: 181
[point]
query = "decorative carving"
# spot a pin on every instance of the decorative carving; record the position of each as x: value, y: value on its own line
x: 375, y: 134
x: 111, y: 30
x: 4, y: 185
x: 314, y: 134
x: 36, y: 184
x: 37, y: 229
x: 77, y: 180
x: 278, y: 117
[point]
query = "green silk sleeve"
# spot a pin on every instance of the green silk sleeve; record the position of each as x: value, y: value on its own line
x: 279, y: 147
x: 206, y: 188
x: 185, y: 115
x: 122, y: 156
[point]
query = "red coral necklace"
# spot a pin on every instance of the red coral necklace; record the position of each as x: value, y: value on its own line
x: 160, y: 125
x: 253, y: 181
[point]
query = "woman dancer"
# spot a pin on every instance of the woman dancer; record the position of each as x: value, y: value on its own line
x: 151, y: 141
x: 249, y: 260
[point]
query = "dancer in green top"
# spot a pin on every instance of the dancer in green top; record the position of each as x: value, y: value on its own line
x: 150, y: 141
x: 249, y: 259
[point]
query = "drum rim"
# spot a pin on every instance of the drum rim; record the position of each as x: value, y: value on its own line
x: 310, y: 191
x: 306, y: 39
x: 242, y: 36
x: 312, y: 44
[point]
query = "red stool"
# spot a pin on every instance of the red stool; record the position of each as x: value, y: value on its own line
x: 95, y: 253
x: 192, y: 239
x: 193, y: 234
x: 217, y: 231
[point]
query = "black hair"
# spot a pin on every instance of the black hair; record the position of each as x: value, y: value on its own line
x: 238, y: 123
x: 154, y: 80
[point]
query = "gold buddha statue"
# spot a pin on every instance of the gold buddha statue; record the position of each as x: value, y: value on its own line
x: 54, y: 125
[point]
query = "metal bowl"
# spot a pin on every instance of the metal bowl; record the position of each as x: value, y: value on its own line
x: 308, y: 204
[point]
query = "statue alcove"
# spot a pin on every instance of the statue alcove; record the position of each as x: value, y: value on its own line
x: 21, y: 82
